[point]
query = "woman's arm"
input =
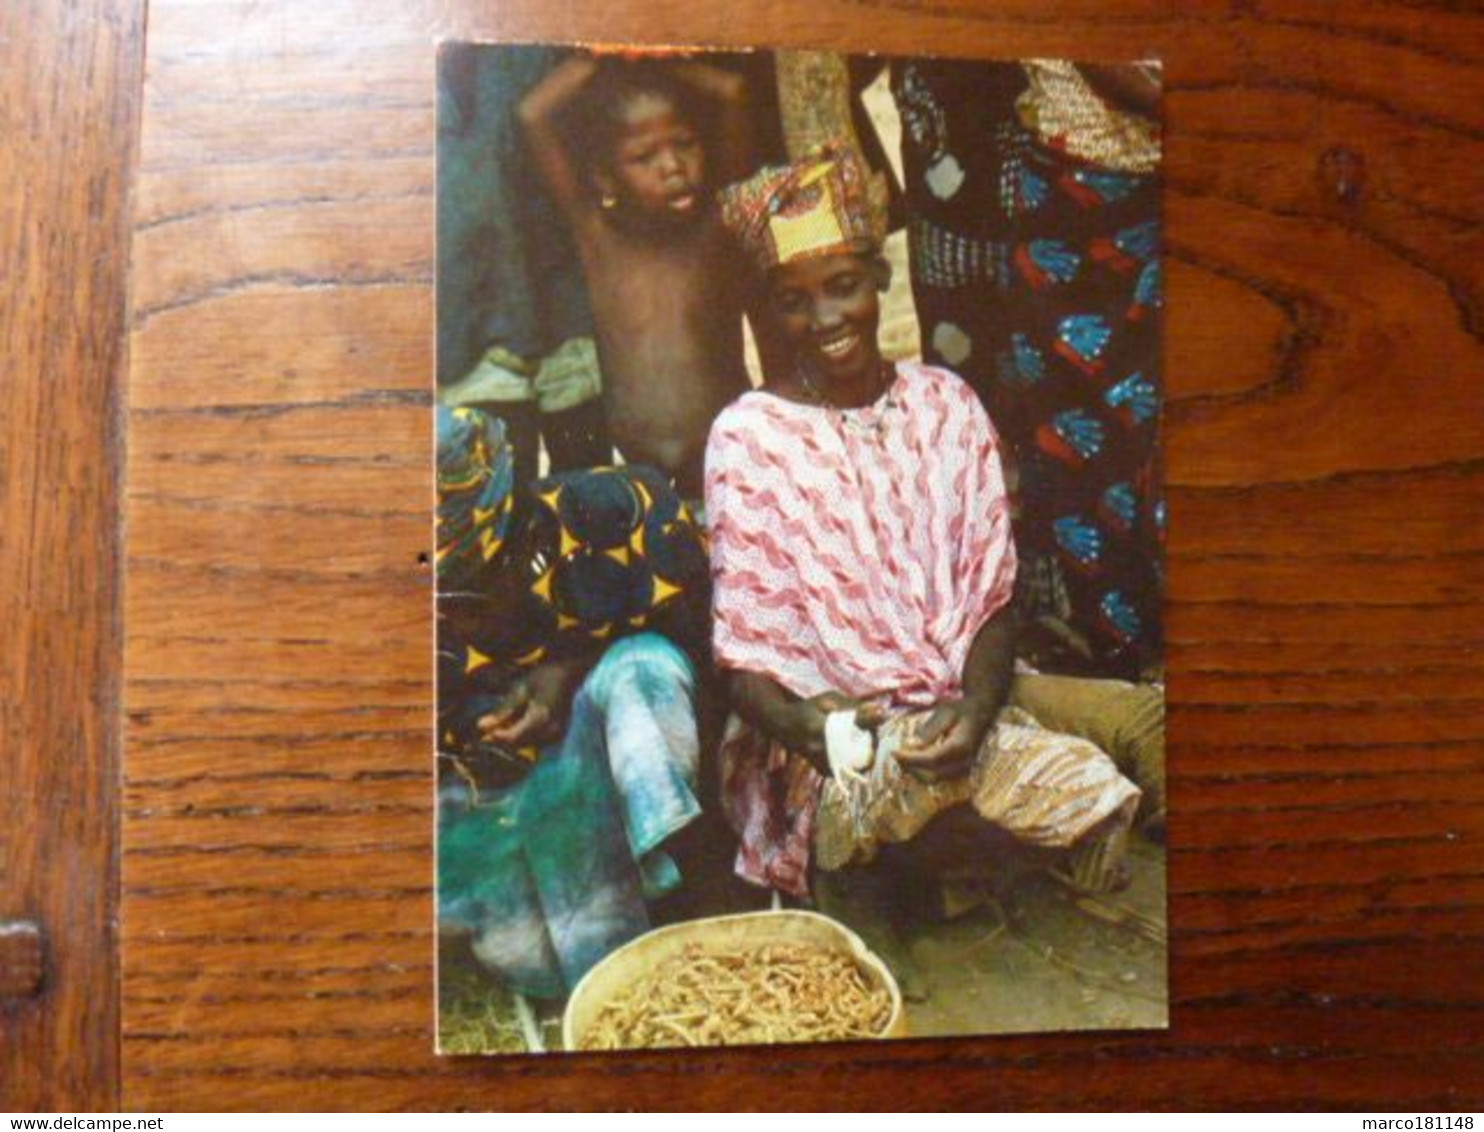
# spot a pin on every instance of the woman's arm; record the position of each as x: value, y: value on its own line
x: 797, y: 724
x: 945, y: 743
x: 990, y: 666
x: 538, y: 113
x: 780, y: 715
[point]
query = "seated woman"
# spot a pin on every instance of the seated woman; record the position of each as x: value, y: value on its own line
x: 567, y: 710
x: 862, y: 567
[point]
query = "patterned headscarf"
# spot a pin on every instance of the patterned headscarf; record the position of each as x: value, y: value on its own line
x: 476, y: 495
x: 819, y: 205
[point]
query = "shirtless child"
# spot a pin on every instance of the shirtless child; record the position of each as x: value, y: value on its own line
x: 631, y: 176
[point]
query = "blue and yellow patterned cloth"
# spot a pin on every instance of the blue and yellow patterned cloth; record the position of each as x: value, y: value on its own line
x: 570, y: 563
x: 548, y: 855
x: 476, y: 495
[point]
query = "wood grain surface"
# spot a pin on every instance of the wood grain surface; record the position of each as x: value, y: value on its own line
x: 69, y: 103
x: 21, y: 959
x: 1326, y: 471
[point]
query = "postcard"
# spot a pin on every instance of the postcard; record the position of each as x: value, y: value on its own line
x: 798, y: 547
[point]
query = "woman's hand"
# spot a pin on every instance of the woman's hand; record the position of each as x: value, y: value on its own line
x: 943, y: 744
x: 522, y: 717
x: 809, y: 729
x: 535, y: 707
x: 869, y: 714
x: 797, y: 724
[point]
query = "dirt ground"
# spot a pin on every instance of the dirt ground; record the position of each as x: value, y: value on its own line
x: 1037, y: 957
x: 1044, y: 959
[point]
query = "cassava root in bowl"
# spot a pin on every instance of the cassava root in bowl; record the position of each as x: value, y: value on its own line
x: 739, y: 995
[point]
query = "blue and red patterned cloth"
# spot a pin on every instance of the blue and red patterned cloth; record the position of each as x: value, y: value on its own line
x: 1037, y: 277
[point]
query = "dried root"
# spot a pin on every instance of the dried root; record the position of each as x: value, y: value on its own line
x: 776, y: 993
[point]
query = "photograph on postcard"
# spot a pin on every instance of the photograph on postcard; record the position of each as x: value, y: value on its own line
x: 798, y: 547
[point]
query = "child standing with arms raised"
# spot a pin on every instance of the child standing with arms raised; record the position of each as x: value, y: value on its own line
x: 631, y: 176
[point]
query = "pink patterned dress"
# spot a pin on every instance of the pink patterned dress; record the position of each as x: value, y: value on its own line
x: 858, y: 551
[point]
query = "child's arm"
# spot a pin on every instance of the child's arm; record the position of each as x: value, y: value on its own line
x: 734, y: 149
x: 538, y: 113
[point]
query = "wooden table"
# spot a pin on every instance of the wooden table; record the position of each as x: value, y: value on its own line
x: 238, y: 717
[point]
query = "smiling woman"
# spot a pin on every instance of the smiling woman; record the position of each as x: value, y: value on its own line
x: 830, y: 308
x: 863, y: 563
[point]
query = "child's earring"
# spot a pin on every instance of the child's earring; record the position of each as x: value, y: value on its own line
x: 608, y: 202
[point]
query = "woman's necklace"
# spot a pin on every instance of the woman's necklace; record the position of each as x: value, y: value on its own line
x: 848, y: 418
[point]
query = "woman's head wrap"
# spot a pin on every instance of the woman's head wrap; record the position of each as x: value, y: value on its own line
x: 819, y: 205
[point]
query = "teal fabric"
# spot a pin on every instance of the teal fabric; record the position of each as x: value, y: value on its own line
x: 553, y: 873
